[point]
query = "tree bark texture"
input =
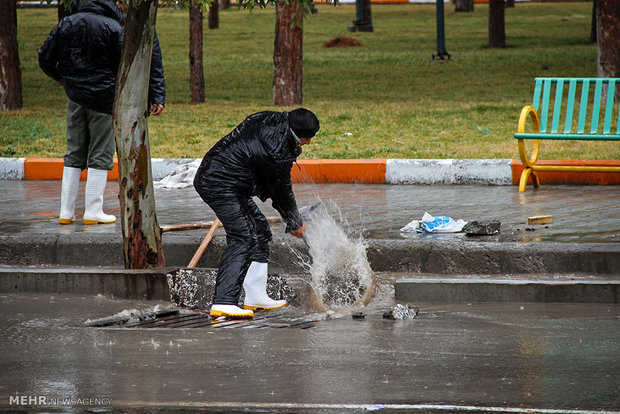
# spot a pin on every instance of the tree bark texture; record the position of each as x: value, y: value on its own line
x: 10, y: 71
x: 288, y: 55
x: 141, y: 232
x: 497, y: 23
x: 214, y: 15
x: 196, y: 72
x: 463, y: 5
x: 608, y: 41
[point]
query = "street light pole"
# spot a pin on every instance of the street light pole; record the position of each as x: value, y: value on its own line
x: 441, y: 41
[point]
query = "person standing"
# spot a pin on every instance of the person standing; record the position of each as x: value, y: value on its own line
x: 255, y: 159
x: 83, y: 53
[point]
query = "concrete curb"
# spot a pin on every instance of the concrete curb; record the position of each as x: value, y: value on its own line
x: 374, y: 171
x: 419, y: 256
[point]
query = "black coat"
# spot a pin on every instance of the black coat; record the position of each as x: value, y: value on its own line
x: 84, y: 51
x: 255, y: 159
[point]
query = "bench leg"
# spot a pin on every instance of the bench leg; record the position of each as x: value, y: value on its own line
x: 524, y: 177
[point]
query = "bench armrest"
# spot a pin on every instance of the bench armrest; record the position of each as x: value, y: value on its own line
x: 528, y: 111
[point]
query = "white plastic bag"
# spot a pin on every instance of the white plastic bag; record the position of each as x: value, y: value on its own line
x: 441, y: 224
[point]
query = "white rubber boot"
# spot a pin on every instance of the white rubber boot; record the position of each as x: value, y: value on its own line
x: 255, y: 286
x: 68, y: 194
x: 230, y: 311
x: 95, y: 186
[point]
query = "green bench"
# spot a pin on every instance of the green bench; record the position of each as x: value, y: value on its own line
x: 558, y: 100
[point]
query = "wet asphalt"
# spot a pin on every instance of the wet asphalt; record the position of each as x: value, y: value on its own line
x: 461, y: 357
x: 451, y: 358
x: 581, y: 214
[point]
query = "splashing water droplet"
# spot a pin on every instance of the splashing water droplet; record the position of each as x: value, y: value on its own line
x: 341, y: 274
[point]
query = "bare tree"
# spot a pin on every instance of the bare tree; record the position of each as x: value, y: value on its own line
x: 141, y: 232
x: 463, y: 5
x: 196, y: 72
x: 214, y: 15
x: 608, y: 40
x: 288, y: 54
x: 10, y: 72
x: 497, y: 23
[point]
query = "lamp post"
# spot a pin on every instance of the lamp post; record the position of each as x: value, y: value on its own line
x: 441, y: 54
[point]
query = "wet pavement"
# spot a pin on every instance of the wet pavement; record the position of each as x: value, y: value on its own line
x: 580, y: 213
x: 451, y: 358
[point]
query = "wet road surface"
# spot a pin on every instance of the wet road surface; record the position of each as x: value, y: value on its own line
x: 466, y: 356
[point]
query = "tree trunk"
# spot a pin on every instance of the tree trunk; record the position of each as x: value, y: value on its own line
x: 287, y: 55
x: 463, y: 5
x: 141, y: 232
x: 214, y: 16
x: 196, y: 74
x: 608, y: 40
x: 10, y: 72
x: 497, y: 26
x: 225, y: 4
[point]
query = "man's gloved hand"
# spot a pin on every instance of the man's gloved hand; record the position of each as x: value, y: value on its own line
x: 299, y: 233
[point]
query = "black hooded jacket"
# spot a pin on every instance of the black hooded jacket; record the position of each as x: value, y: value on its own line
x: 255, y: 159
x: 84, y: 51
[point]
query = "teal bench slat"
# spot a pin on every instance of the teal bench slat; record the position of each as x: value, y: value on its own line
x: 583, y: 106
x: 570, y: 106
x: 609, y: 106
x: 596, y: 106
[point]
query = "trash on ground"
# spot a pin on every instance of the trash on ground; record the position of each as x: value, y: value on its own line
x: 434, y: 224
x: 482, y: 228
x: 400, y: 312
x: 358, y: 315
x: 342, y: 41
x: 180, y: 177
x: 539, y: 220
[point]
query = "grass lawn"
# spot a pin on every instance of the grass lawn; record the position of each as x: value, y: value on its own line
x: 385, y: 99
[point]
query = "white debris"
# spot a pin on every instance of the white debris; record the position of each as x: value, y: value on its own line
x: 180, y: 177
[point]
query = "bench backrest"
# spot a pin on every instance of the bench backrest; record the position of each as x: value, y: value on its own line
x: 551, y: 91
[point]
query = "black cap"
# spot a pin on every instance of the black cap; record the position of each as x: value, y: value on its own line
x: 303, y: 122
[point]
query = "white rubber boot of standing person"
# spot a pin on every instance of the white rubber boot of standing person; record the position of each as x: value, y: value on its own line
x: 95, y: 186
x: 255, y: 286
x: 68, y: 194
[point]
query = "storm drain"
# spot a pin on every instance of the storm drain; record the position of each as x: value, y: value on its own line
x: 174, y: 318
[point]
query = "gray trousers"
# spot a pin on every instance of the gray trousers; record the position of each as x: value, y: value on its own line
x: 90, y: 138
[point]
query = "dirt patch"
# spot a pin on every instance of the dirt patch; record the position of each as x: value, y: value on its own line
x: 342, y: 41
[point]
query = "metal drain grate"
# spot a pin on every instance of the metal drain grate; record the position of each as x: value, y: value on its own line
x: 174, y: 318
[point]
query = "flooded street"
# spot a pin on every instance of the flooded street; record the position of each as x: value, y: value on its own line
x: 562, y: 356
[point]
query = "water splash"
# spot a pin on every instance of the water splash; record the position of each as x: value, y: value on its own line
x: 341, y: 275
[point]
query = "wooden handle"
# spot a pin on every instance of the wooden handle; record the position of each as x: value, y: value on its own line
x: 206, y: 224
x: 205, y: 243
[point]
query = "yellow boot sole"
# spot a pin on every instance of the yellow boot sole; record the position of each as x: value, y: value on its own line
x: 98, y: 222
x: 66, y: 221
x: 218, y: 314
